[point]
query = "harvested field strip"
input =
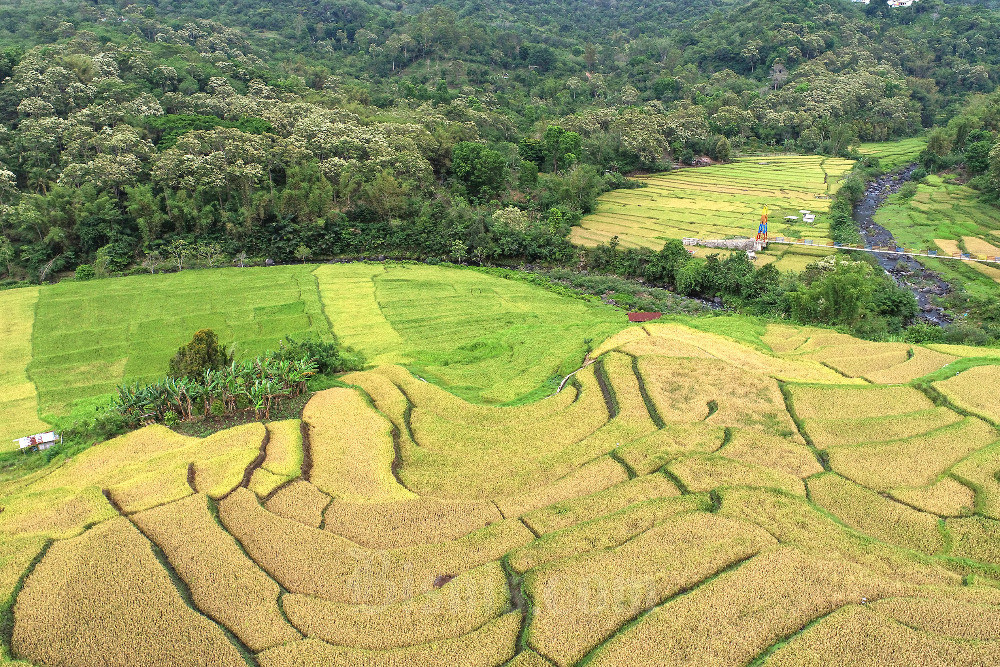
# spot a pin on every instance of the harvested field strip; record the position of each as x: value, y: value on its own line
x: 945, y: 497
x: 580, y: 601
x: 225, y: 584
x: 845, y: 432
x: 315, y: 562
x: 875, y: 515
x: 590, y: 478
x: 586, y: 507
x: 18, y: 398
x: 772, y: 452
x: 605, y: 532
x: 400, y: 523
x: 652, y: 452
x: 299, y: 501
x: 736, y: 616
x: 460, y: 606
x: 974, y: 390
x: 915, y: 461
x: 707, y: 472
x: 812, y: 402
x: 352, y: 448
x: 493, y: 644
x: 981, y: 471
x: 109, y: 578
x: 923, y: 362
x: 860, y: 635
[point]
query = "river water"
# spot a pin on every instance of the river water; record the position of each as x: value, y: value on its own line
x: 905, y: 270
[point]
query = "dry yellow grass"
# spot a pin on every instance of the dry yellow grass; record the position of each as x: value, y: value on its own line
x: 225, y: 585
x: 460, y: 606
x: 401, y: 523
x: 974, y: 390
x: 875, y: 515
x: 102, y: 598
x: 589, y: 478
x: 316, y: 562
x: 826, y: 433
x: 705, y: 472
x: 493, y: 644
x: 604, y: 532
x: 922, y: 362
x: 915, y: 461
x: 503, y: 456
x: 858, y: 635
x: 686, y: 390
x: 768, y: 451
x: 584, y: 508
x: 977, y: 538
x: 284, y: 448
x: 812, y: 402
x: 651, y: 453
x: 18, y: 397
x: 352, y: 448
x: 945, y: 497
x: 734, y: 617
x: 580, y: 601
x: 299, y: 501
x: 952, y: 618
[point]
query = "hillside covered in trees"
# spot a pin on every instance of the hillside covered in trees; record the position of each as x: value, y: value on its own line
x: 135, y: 135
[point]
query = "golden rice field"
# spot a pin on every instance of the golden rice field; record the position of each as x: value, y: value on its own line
x: 791, y: 497
x: 723, y: 201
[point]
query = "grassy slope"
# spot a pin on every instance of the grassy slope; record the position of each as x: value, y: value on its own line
x: 484, y: 338
x: 18, y: 400
x: 722, y: 201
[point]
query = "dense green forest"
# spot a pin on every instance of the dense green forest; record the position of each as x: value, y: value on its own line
x: 138, y: 137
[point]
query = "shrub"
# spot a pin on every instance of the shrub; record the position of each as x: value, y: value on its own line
x: 85, y: 272
x: 326, y: 355
x: 203, y: 353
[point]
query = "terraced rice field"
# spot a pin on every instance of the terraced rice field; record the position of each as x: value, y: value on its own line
x: 894, y: 154
x: 952, y: 219
x: 718, y: 202
x: 687, y: 498
x: 67, y: 346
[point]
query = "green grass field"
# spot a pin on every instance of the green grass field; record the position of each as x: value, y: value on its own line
x: 894, y: 154
x: 485, y: 338
x: 949, y: 218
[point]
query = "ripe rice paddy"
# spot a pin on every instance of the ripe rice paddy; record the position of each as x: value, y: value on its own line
x: 723, y: 201
x: 688, y: 498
